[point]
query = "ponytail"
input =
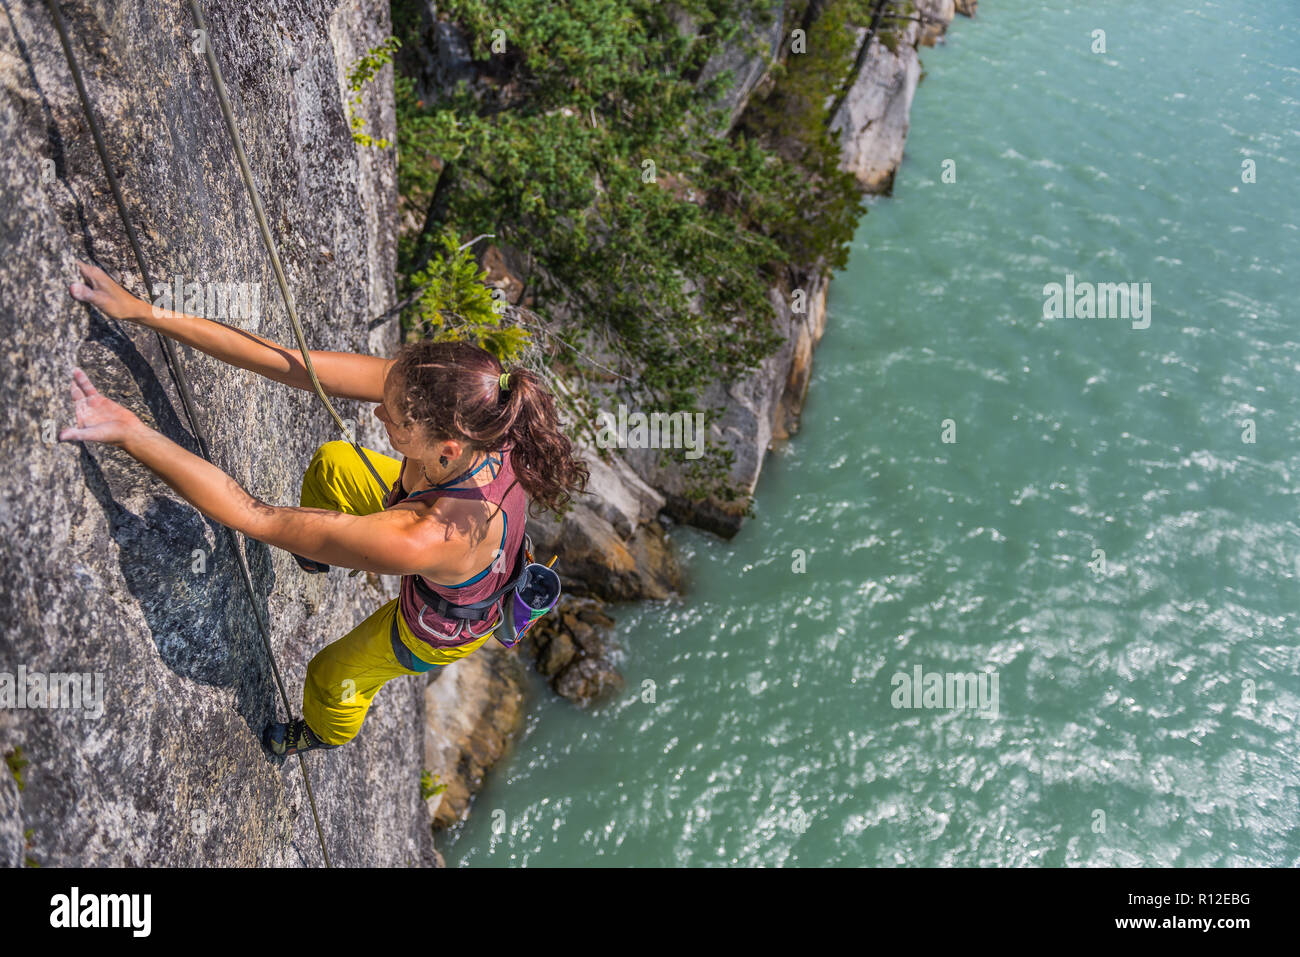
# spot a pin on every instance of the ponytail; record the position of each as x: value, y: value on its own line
x: 456, y: 389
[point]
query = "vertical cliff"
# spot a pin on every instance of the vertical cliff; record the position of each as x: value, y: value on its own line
x: 104, y: 571
x: 871, y: 119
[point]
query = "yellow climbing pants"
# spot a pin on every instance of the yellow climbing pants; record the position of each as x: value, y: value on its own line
x: 345, y: 675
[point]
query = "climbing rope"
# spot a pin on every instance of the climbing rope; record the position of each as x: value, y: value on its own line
x: 173, y: 360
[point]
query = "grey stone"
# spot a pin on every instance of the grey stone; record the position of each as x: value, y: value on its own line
x: 872, y: 120
x: 745, y: 59
x: 559, y: 652
x: 474, y: 711
x: 588, y: 680
x: 755, y: 412
x: 99, y: 557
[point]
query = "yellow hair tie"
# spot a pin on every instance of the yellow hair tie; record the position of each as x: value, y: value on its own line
x: 504, y: 381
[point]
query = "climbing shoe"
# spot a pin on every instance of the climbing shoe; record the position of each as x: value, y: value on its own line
x: 311, y: 565
x: 287, y: 739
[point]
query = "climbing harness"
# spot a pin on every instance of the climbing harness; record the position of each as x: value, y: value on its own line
x: 169, y: 349
x: 533, y: 589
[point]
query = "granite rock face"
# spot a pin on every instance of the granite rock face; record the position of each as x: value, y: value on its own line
x: 758, y: 408
x: 104, y: 571
x: 872, y: 120
x: 935, y: 17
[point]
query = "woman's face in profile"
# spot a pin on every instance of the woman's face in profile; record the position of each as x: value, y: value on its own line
x: 401, y: 432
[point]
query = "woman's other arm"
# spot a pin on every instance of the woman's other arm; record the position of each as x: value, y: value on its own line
x: 344, y: 374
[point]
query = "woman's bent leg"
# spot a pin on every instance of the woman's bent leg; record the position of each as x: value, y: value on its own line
x: 337, y: 479
x: 345, y: 676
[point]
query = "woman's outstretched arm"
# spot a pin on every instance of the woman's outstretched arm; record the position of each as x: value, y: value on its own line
x: 344, y: 374
x: 392, y: 542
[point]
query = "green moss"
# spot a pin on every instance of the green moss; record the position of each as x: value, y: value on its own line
x: 16, y: 762
x: 429, y: 786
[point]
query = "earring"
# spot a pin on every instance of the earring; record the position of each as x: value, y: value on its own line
x: 442, y: 460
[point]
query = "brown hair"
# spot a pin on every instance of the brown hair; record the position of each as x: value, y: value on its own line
x: 453, y: 389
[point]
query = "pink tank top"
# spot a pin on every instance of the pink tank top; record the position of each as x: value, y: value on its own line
x: 503, y: 490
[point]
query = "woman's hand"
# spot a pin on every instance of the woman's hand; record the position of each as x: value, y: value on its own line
x: 99, y: 419
x: 107, y: 296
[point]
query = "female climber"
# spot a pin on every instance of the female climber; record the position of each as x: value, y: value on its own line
x: 478, y: 442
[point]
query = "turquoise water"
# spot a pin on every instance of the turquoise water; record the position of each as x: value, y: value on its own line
x: 1146, y: 708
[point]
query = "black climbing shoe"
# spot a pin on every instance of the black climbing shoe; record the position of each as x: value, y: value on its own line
x: 311, y: 565
x: 287, y: 739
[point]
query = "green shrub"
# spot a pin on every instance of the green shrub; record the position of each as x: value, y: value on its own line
x: 454, y: 303
x: 362, y: 72
x: 586, y: 145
